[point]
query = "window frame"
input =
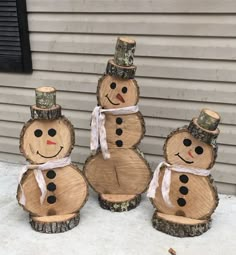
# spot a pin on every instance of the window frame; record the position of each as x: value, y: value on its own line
x: 24, y: 63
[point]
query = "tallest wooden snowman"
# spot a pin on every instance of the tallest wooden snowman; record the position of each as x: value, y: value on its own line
x: 117, y: 171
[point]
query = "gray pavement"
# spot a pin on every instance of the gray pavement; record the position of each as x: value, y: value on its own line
x: 101, y: 232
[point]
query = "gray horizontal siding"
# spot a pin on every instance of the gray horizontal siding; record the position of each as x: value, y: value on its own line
x: 187, y: 90
x: 220, y: 25
x: 134, y: 6
x: 154, y: 46
x: 185, y: 55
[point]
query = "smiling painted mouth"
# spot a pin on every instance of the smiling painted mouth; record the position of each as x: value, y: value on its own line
x: 188, y: 162
x: 110, y: 100
x: 51, y: 156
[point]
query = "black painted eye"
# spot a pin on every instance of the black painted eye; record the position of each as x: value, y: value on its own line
x: 187, y: 142
x: 124, y: 90
x: 199, y: 150
x: 113, y: 85
x: 38, y: 132
x: 52, y: 132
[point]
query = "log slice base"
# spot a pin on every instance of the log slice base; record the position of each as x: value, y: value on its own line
x: 55, y: 223
x: 119, y: 203
x: 179, y: 226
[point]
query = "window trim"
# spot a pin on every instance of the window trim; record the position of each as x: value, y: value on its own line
x: 22, y: 63
x: 24, y: 35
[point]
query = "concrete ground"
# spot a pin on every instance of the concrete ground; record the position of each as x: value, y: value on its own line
x: 102, y: 232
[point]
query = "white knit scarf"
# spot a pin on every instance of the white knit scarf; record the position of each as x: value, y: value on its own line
x: 98, y: 131
x: 58, y: 163
x: 165, y: 187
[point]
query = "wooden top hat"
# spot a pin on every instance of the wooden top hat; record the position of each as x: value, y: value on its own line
x: 45, y: 107
x: 205, y: 126
x: 122, y: 64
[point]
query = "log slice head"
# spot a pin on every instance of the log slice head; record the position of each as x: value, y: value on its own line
x: 113, y: 92
x: 181, y: 148
x: 45, y: 140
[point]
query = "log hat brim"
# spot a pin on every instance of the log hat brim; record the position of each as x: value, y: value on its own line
x: 124, y: 72
x: 122, y: 64
x: 204, y: 127
x: 45, y: 107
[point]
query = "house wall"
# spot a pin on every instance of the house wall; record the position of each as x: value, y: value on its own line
x: 185, y: 55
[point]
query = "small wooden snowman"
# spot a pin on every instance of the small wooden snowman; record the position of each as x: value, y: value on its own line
x: 182, y: 189
x: 117, y: 171
x: 52, y: 190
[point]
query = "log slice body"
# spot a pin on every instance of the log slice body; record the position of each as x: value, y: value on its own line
x: 67, y: 191
x: 124, y: 131
x: 126, y: 172
x: 191, y: 196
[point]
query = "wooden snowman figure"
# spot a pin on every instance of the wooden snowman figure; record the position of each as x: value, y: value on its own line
x: 118, y: 172
x: 52, y: 190
x: 182, y: 189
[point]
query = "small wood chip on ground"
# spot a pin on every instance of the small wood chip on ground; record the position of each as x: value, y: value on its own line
x: 172, y: 251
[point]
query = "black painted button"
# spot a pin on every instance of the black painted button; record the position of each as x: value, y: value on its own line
x: 119, y: 121
x: 119, y: 131
x: 51, y: 199
x: 183, y: 190
x: 119, y: 143
x: 183, y: 178
x: 51, y: 186
x: 181, y: 202
x: 51, y: 174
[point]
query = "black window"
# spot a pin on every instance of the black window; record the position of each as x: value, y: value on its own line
x: 15, y: 53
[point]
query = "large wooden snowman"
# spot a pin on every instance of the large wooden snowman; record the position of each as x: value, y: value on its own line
x: 52, y: 190
x: 182, y: 189
x: 118, y: 171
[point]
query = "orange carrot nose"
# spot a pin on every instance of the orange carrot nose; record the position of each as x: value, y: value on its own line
x: 50, y: 142
x: 190, y: 154
x: 119, y: 97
